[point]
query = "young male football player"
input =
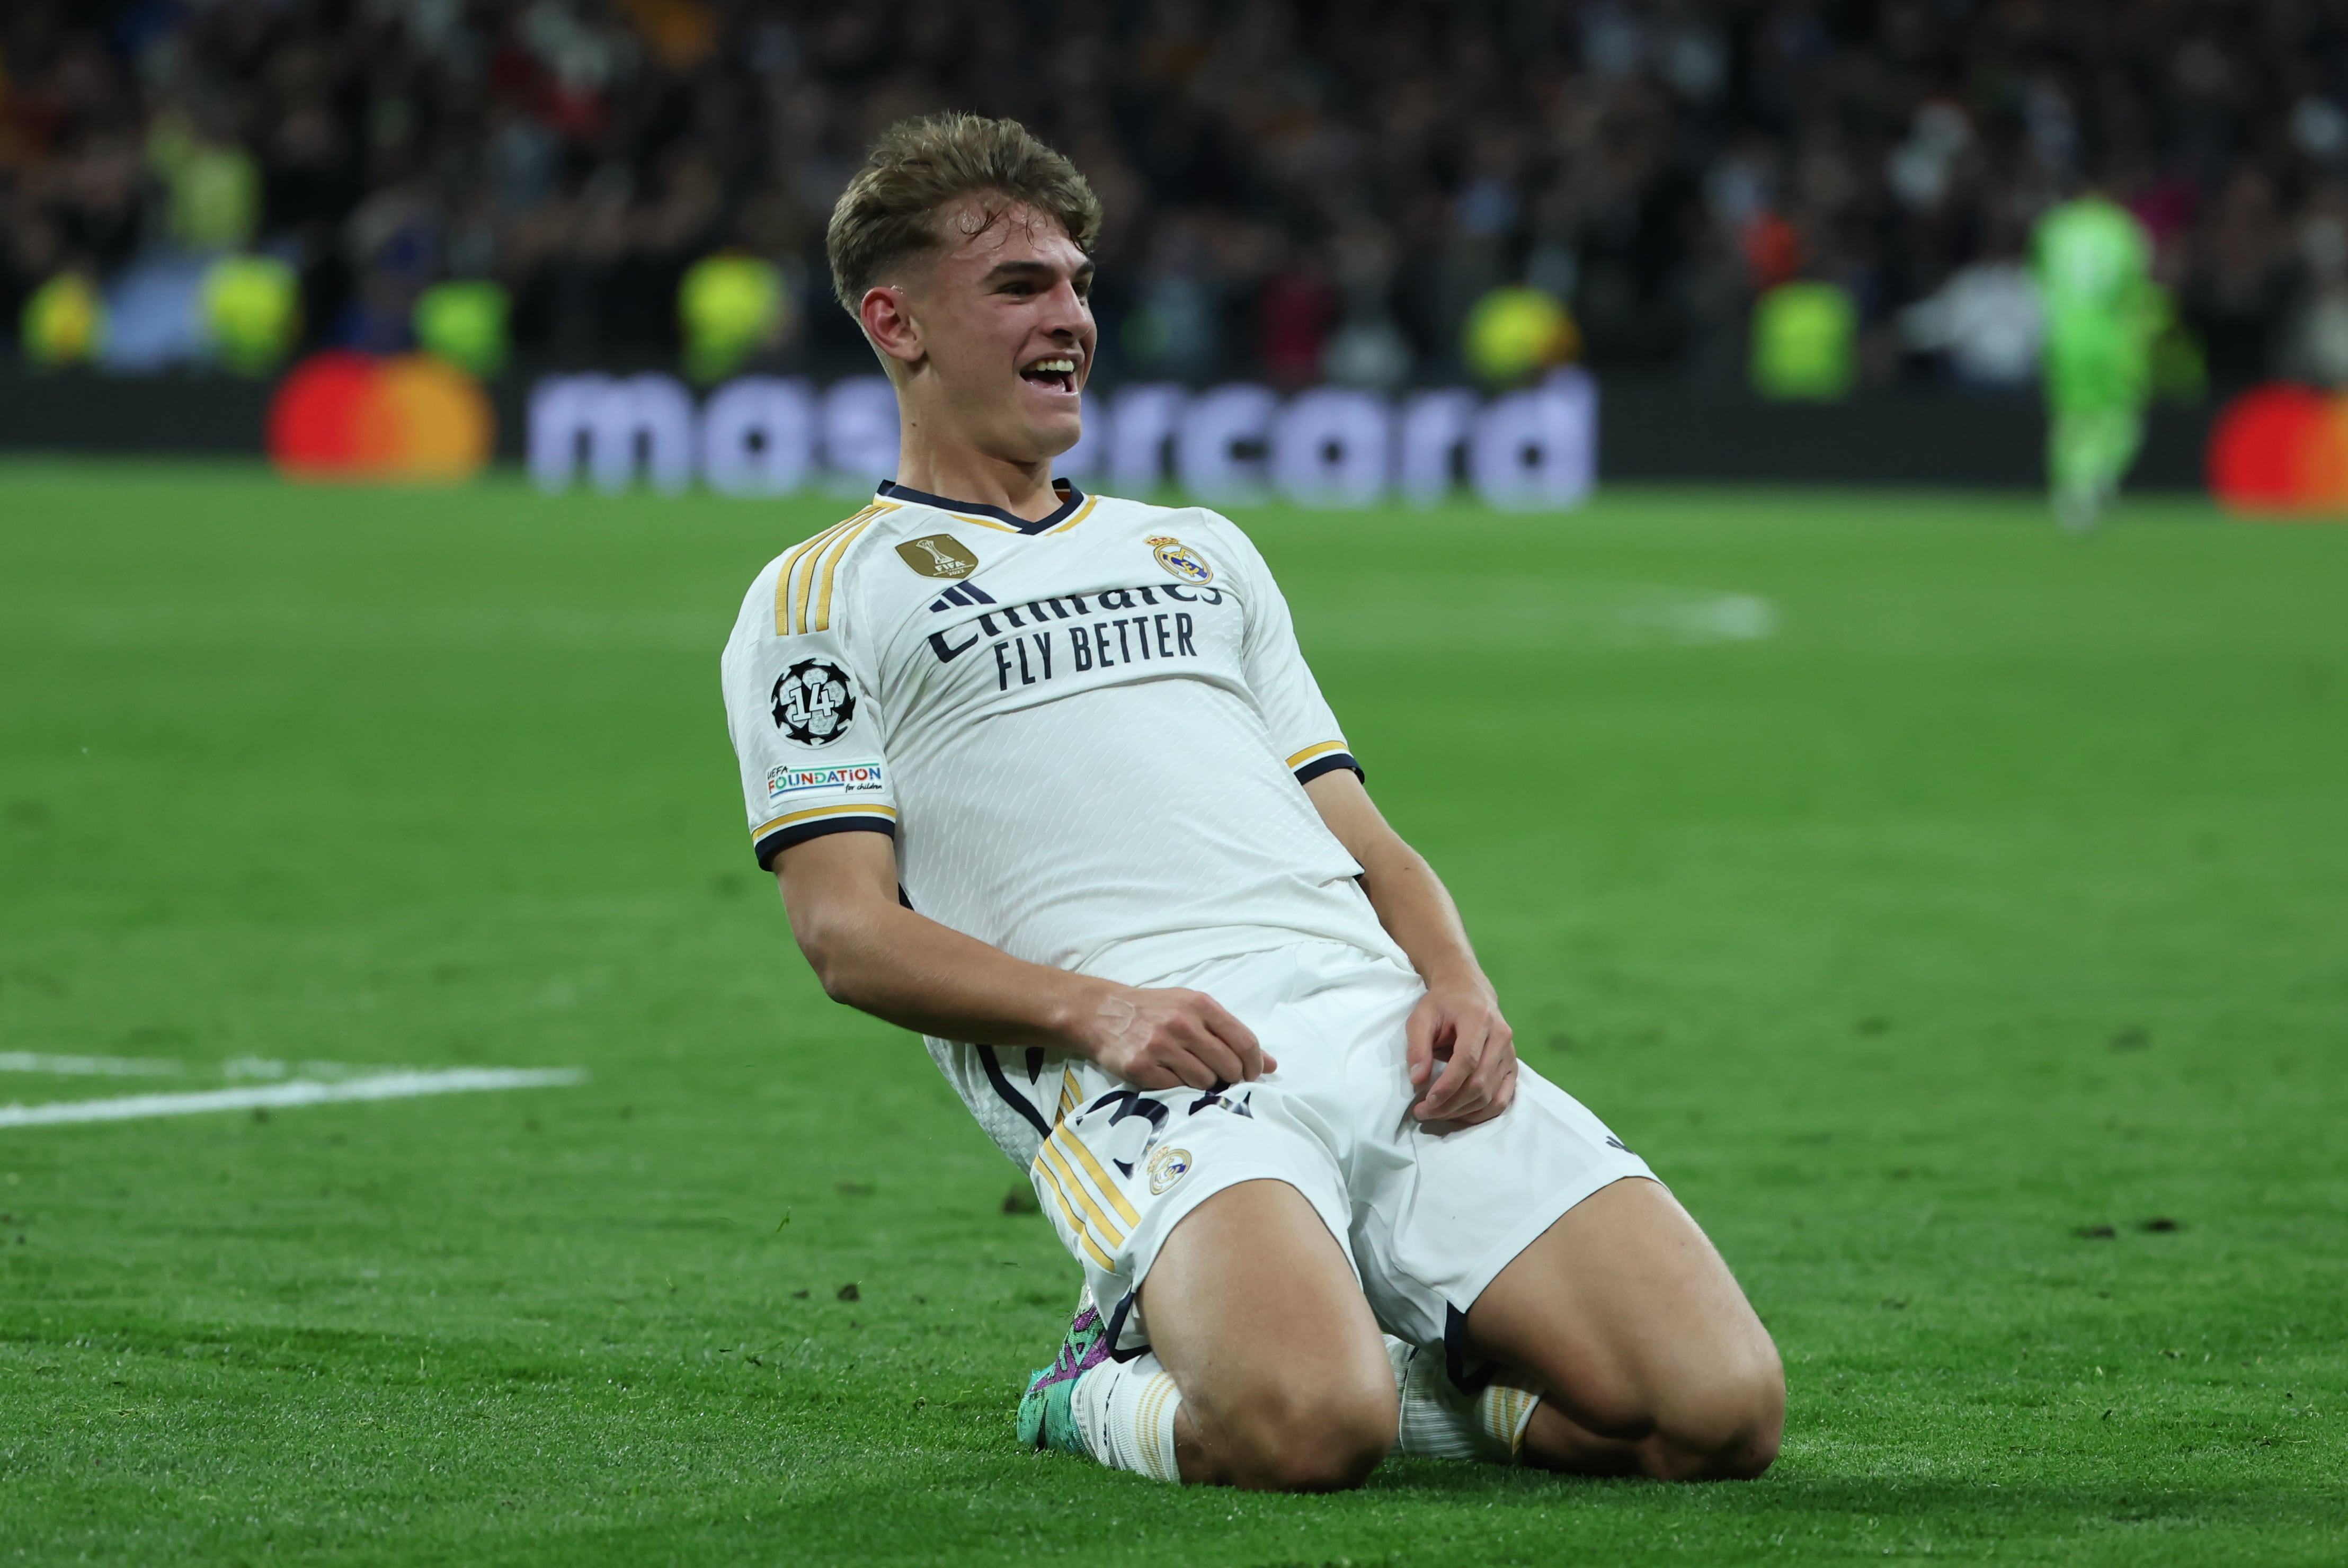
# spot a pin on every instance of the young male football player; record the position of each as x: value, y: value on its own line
x: 1043, y: 777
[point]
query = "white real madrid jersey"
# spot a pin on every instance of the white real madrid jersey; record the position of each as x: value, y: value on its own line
x: 1087, y: 735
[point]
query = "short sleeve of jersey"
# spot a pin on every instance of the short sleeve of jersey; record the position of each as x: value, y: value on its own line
x: 807, y: 732
x: 1302, y: 728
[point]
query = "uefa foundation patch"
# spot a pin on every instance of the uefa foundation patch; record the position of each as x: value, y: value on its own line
x: 848, y: 778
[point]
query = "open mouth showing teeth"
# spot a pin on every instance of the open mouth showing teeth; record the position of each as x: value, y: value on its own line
x: 1059, y: 374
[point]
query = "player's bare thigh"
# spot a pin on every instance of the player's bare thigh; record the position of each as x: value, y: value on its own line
x: 1650, y: 1359
x: 1255, y: 1312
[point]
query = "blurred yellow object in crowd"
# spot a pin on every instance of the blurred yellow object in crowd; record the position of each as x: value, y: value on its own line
x: 465, y: 322
x: 681, y: 32
x: 252, y: 311
x: 65, y: 322
x: 730, y: 305
x: 1805, y: 343
x: 1515, y: 334
x: 212, y: 186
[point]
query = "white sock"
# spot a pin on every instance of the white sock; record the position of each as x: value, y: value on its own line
x: 1126, y: 1410
x: 1441, y: 1420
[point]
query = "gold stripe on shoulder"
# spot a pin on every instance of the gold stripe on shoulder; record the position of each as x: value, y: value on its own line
x: 784, y: 597
x: 1310, y: 752
x: 802, y: 573
x: 833, y: 556
x: 792, y: 583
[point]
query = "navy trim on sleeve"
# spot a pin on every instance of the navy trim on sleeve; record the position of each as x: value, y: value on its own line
x: 774, y: 844
x: 1329, y: 762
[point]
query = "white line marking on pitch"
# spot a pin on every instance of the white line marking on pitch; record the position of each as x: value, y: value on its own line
x: 88, y: 1067
x: 298, y: 1091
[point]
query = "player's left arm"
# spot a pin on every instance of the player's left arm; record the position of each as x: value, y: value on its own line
x: 1457, y: 1024
x: 1462, y: 1054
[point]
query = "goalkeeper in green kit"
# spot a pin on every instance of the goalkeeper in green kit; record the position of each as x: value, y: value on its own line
x: 2093, y: 263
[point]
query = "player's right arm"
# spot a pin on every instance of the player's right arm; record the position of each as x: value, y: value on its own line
x: 874, y: 954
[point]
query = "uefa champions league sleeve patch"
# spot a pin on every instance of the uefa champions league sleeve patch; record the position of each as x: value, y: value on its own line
x: 813, y: 703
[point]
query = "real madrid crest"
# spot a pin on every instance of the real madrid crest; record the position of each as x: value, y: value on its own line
x: 1179, y: 559
x: 1167, y: 1167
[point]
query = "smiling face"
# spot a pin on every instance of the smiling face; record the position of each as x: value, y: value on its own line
x: 991, y: 336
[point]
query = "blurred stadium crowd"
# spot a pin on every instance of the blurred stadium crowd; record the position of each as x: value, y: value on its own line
x: 1297, y: 192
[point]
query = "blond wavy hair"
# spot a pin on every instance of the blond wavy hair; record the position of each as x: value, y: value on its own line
x: 889, y: 211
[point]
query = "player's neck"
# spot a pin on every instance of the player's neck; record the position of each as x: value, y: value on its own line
x: 959, y: 473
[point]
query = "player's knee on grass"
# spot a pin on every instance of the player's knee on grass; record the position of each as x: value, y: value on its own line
x: 1711, y: 1411
x: 1297, y: 1434
x: 1725, y: 1428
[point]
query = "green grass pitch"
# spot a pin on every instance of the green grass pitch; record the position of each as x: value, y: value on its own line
x: 1956, y: 913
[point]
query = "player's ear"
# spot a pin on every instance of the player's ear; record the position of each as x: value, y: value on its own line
x: 888, y: 324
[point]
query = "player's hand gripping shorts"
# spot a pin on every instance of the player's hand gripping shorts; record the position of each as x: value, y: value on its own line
x: 1427, y: 1218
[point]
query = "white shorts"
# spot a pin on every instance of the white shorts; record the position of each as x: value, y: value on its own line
x: 1426, y: 1219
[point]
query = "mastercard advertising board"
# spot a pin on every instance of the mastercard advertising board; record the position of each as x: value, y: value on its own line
x: 412, y: 419
x: 2280, y: 453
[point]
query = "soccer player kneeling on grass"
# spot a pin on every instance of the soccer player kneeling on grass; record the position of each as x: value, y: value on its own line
x: 1044, y: 775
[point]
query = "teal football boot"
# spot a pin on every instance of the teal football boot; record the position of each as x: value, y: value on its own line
x: 1047, y: 1417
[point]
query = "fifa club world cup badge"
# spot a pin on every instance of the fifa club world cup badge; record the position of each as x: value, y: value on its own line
x: 1180, y: 560
x: 939, y: 555
x: 812, y: 703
